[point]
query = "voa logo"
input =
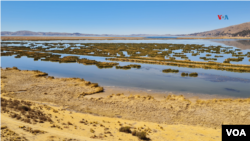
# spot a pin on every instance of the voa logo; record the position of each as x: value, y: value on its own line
x: 236, y: 132
x: 223, y: 17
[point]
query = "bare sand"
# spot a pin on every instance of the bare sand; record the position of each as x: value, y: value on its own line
x: 78, y: 111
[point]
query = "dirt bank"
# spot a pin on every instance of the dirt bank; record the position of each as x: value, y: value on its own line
x: 71, y: 126
x: 171, y: 110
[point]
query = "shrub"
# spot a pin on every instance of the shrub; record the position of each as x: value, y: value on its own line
x: 27, y: 120
x: 92, y: 131
x: 24, y: 108
x: 134, y: 133
x: 125, y: 129
x: 141, y: 135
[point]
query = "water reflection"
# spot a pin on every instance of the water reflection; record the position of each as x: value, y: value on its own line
x: 229, y: 89
x: 242, y: 44
x: 219, y: 78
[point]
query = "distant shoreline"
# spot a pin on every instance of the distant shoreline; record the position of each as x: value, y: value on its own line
x: 6, y: 38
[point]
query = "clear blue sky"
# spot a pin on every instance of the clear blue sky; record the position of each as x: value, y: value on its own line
x: 114, y: 17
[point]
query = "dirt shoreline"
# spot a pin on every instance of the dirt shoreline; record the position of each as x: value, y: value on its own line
x: 157, y: 94
x: 166, y: 118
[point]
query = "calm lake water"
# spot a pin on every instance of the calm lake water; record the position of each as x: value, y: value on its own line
x: 149, y: 76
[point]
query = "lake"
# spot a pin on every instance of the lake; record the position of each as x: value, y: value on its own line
x: 149, y: 76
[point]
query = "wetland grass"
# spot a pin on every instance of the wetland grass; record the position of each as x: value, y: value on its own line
x: 135, y: 66
x: 184, y: 74
x: 191, y: 64
x: 193, y: 74
x: 87, y: 61
x: 234, y: 59
x: 123, y: 67
x: 218, y: 56
x: 69, y: 59
x: 155, y: 54
x: 206, y: 59
x: 170, y: 71
x: 106, y: 64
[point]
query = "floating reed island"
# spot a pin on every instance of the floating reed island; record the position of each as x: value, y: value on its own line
x: 193, y: 74
x: 129, y: 66
x: 206, y: 59
x: 184, y: 74
x: 152, y: 53
x: 123, y: 67
x: 170, y: 71
x: 218, y: 56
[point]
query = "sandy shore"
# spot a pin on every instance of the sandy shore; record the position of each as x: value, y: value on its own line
x: 157, y: 94
x: 38, y: 107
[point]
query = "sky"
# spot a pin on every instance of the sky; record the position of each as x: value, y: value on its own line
x: 122, y: 17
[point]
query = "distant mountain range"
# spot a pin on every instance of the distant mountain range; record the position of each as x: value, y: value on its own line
x: 240, y: 30
x: 30, y: 33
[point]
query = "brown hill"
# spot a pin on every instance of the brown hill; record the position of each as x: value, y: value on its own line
x: 240, y: 30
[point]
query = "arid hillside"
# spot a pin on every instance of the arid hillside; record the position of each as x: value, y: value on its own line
x: 240, y: 30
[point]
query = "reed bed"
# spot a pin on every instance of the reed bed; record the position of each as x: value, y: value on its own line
x: 191, y: 64
x: 123, y: 67
x: 170, y: 71
x: 193, y: 74
x: 131, y: 52
x: 184, y: 74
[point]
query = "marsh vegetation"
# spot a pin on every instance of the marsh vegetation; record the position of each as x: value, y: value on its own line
x: 170, y: 70
x: 164, y: 54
